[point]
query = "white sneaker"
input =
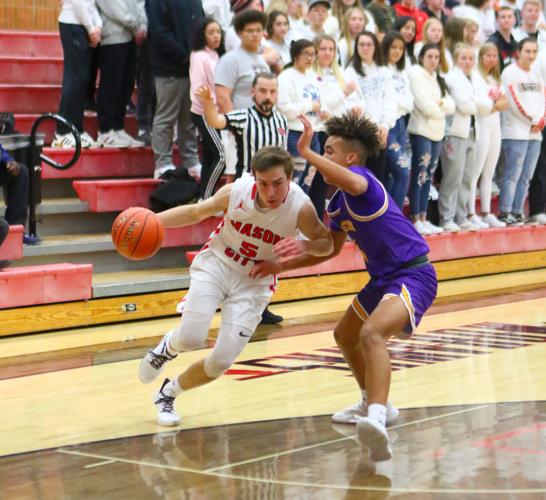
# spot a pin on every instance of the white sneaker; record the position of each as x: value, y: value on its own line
x: 88, y: 142
x: 537, y: 219
x: 195, y: 171
x: 166, y: 416
x: 433, y: 194
x: 124, y: 136
x: 450, y: 227
x: 422, y: 228
x: 159, y: 171
x: 153, y: 363
x: 351, y: 414
x: 374, y: 436
x: 478, y: 221
x: 64, y: 141
x: 433, y: 229
x: 492, y: 221
x: 111, y: 139
x: 466, y: 225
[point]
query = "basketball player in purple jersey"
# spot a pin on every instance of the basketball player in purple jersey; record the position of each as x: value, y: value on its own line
x: 402, y: 282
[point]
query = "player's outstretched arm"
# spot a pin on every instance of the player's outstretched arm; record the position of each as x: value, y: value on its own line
x: 338, y: 175
x: 187, y: 215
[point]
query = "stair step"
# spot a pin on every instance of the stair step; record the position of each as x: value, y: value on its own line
x: 29, y: 98
x: 12, y: 248
x: 30, y: 43
x: 101, y: 162
x: 141, y: 281
x: 115, y: 195
x: 61, y: 206
x: 24, y: 122
x: 21, y: 70
x: 70, y: 244
x: 33, y: 285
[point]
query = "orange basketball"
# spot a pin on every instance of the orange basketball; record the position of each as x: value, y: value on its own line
x: 137, y: 233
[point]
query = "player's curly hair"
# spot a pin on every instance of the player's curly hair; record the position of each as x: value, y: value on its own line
x: 358, y: 132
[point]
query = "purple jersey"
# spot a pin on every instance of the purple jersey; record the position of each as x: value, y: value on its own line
x: 372, y: 220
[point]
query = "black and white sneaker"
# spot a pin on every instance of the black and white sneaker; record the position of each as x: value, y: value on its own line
x: 508, y: 219
x: 152, y: 364
x: 166, y: 416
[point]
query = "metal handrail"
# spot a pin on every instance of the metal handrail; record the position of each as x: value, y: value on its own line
x: 35, y: 167
x: 59, y: 119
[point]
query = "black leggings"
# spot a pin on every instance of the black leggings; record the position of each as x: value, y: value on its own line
x: 212, y: 161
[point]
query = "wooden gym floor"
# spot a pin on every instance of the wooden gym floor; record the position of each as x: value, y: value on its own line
x: 471, y: 385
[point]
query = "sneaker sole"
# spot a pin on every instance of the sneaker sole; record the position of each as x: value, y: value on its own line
x: 168, y: 423
x: 377, y: 442
x: 141, y: 371
x: 392, y: 416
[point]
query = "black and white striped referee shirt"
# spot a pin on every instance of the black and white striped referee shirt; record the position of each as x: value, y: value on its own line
x: 253, y: 131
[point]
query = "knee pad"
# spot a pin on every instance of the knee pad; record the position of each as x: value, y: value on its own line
x: 232, y: 339
x: 192, y: 332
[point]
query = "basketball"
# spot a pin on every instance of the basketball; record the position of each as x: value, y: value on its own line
x: 137, y: 233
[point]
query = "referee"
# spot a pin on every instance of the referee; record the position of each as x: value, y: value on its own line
x: 254, y: 128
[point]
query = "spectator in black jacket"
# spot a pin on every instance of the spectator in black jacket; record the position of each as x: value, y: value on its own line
x: 14, y: 176
x: 171, y: 25
x: 503, y: 38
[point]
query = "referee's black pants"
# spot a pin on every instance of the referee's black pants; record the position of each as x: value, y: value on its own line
x: 212, y: 152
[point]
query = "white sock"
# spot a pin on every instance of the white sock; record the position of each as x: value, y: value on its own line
x: 378, y: 413
x: 173, y: 388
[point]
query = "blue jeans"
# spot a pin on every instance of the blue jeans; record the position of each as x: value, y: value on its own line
x: 398, y: 162
x: 520, y: 160
x: 301, y: 167
x: 424, y: 161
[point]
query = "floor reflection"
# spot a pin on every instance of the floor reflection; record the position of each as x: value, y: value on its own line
x: 477, y: 452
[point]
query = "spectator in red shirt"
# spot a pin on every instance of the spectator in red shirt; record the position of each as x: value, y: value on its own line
x: 408, y: 8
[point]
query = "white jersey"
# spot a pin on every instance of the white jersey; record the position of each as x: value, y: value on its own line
x: 248, y: 233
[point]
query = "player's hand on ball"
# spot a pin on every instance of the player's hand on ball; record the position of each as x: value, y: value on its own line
x: 265, y: 268
x: 288, y: 248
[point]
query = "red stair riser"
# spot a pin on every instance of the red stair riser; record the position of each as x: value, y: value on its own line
x: 12, y: 248
x: 34, y: 285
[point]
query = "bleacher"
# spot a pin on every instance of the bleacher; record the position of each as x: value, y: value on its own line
x: 75, y: 278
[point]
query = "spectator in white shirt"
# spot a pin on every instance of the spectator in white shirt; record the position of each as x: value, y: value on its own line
x: 336, y: 97
x: 353, y: 22
x: 459, y: 147
x: 432, y: 104
x: 486, y: 82
x: 433, y: 32
x: 398, y: 160
x: 317, y: 14
x: 521, y: 127
x: 299, y: 95
x: 277, y: 30
x: 375, y: 91
x: 530, y: 16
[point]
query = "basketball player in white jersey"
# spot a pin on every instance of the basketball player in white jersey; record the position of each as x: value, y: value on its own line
x: 234, y: 268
